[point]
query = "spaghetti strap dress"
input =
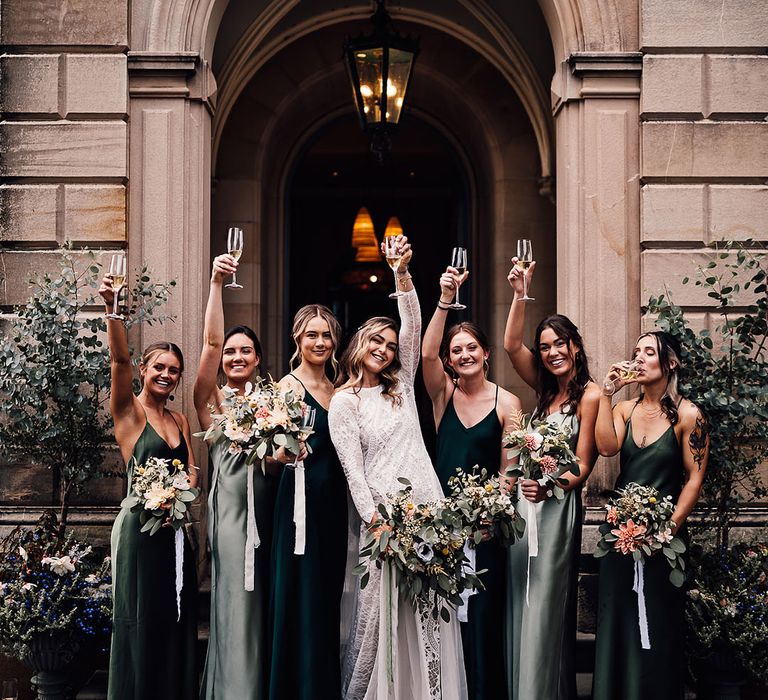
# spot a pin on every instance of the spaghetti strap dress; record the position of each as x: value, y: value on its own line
x: 483, y: 634
x: 541, y: 627
x: 305, y: 600
x: 236, y: 664
x: 152, y: 653
x: 623, y: 669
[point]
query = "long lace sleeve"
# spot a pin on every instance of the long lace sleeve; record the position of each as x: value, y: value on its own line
x: 345, y: 434
x: 409, y: 341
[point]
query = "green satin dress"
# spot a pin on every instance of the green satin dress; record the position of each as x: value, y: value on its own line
x: 623, y: 669
x: 152, y: 654
x: 305, y: 606
x: 236, y: 664
x: 541, y: 633
x: 482, y: 635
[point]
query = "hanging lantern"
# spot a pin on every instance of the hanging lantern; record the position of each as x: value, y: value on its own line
x: 380, y: 66
x: 364, y: 238
x: 393, y: 227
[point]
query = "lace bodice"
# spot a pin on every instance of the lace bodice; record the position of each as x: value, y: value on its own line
x: 377, y: 440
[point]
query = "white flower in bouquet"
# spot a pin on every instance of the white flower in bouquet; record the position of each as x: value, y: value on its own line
x: 61, y: 566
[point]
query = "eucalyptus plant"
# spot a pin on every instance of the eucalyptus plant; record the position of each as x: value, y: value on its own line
x: 55, y: 371
x: 726, y: 374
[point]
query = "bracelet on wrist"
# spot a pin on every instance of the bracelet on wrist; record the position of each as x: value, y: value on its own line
x: 403, y: 279
x: 444, y: 305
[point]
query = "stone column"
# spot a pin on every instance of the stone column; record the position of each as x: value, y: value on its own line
x: 596, y: 102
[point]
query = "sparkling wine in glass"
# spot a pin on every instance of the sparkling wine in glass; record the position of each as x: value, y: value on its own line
x: 524, y: 260
x: 235, y: 249
x: 394, y: 256
x: 627, y: 373
x: 117, y: 273
x: 459, y: 261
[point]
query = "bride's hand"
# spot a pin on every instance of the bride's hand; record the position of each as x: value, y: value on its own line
x: 515, y: 277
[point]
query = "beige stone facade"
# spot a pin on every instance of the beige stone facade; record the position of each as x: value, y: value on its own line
x: 623, y: 137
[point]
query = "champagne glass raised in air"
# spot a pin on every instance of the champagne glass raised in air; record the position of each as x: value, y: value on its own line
x: 524, y: 260
x: 393, y: 255
x: 235, y: 249
x: 459, y: 261
x: 117, y: 273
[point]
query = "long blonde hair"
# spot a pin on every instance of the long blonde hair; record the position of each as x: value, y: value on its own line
x: 303, y: 316
x: 351, y: 374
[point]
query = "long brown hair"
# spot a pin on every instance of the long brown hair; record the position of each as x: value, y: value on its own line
x: 351, y: 374
x: 303, y: 316
x: 668, y: 348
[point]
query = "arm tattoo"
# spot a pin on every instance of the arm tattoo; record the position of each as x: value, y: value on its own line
x: 699, y: 440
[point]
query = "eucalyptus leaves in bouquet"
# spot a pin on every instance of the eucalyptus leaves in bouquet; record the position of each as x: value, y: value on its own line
x: 54, y: 371
x: 52, y: 586
x: 725, y: 372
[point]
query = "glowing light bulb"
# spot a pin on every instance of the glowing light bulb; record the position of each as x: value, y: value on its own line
x: 365, y: 90
x: 374, y: 278
x: 391, y: 88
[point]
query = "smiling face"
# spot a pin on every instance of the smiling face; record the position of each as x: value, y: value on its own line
x: 239, y: 359
x: 316, y: 342
x: 161, y: 373
x: 649, y: 369
x: 381, y: 351
x: 466, y: 357
x: 557, y: 353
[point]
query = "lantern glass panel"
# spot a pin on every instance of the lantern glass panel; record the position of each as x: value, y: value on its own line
x: 369, y: 64
x: 397, y: 82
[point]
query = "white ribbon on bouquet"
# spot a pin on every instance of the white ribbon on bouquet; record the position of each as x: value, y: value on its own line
x: 300, y: 508
x: 471, y: 554
x: 638, y: 587
x: 532, y: 530
x: 252, y: 539
x: 178, y: 541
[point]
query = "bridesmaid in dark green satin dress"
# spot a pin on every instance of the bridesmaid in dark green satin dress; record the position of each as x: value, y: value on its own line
x: 153, y: 647
x: 236, y: 665
x: 469, y: 413
x: 664, y: 443
x: 305, y: 603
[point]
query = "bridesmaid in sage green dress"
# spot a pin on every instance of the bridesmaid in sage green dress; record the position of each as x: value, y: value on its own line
x: 541, y: 606
x: 236, y: 662
x: 305, y: 603
x: 153, y: 646
x: 470, y: 414
x: 664, y: 443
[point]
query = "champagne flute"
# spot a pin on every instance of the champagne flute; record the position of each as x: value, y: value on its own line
x: 459, y: 261
x: 393, y: 255
x: 117, y: 273
x: 524, y: 260
x: 235, y: 249
x: 10, y: 689
x: 626, y: 373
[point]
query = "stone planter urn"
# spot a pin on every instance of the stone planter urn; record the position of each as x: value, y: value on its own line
x: 720, y: 677
x: 50, y: 656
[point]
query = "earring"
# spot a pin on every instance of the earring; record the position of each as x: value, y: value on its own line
x: 172, y: 397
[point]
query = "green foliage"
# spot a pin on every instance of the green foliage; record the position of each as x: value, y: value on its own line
x: 727, y: 606
x: 726, y: 375
x: 55, y: 373
x: 52, y: 586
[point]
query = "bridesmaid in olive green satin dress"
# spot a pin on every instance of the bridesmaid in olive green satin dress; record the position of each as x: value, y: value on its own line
x: 541, y: 608
x: 305, y: 602
x: 236, y: 661
x: 664, y: 443
x: 153, y: 646
x: 470, y: 414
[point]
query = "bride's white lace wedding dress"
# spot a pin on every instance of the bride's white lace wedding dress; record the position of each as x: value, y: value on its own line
x: 378, y: 441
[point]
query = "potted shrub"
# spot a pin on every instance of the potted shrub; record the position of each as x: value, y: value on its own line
x: 726, y: 375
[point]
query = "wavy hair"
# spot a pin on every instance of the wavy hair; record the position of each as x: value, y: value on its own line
x: 464, y: 327
x: 351, y: 374
x: 546, y: 384
x: 303, y: 316
x: 668, y: 349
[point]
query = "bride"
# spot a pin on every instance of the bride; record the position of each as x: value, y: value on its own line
x: 375, y: 429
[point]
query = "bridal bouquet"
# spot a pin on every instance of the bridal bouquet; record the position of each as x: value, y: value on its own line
x: 162, y: 491
x: 639, y: 522
x: 485, y: 506
x: 424, y: 543
x: 543, y: 450
x: 260, y: 420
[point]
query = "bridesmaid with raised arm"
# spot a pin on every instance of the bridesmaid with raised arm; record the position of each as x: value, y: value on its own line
x: 236, y: 665
x: 153, y: 644
x: 309, y: 556
x: 471, y: 414
x: 664, y: 443
x: 541, y: 606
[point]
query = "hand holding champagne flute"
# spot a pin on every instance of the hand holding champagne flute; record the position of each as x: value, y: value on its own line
x: 117, y: 275
x: 459, y: 262
x: 523, y: 263
x: 393, y: 255
x: 620, y: 374
x: 235, y: 249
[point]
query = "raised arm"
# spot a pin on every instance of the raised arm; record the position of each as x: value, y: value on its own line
x: 611, y: 424
x: 345, y: 434
x: 410, y: 316
x: 695, y: 445
x: 436, y: 379
x: 213, y: 341
x: 522, y: 358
